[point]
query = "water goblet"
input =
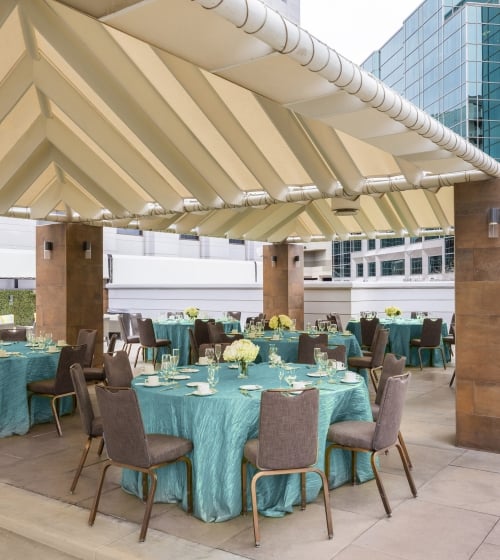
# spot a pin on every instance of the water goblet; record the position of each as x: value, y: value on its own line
x: 165, y: 366
x: 213, y: 376
x: 281, y: 372
x: 290, y: 377
x: 272, y: 355
x: 175, y: 358
x: 316, y: 352
x: 331, y: 369
x: 218, y: 351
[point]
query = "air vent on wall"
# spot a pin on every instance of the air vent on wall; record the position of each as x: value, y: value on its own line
x: 346, y: 211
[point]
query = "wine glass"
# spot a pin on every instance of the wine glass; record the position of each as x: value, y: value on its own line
x: 281, y: 372
x: 210, y: 355
x: 290, y: 377
x: 165, y: 366
x: 272, y: 355
x: 218, y: 351
x: 174, y: 360
x: 317, y: 351
x: 331, y: 369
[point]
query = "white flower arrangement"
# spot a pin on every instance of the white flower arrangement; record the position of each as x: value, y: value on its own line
x: 392, y: 311
x: 241, y: 350
x: 191, y: 312
x: 280, y: 321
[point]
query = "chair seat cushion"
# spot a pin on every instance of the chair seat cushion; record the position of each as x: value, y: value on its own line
x: 46, y: 386
x: 163, y: 447
x: 251, y: 451
x: 352, y: 433
x: 94, y: 373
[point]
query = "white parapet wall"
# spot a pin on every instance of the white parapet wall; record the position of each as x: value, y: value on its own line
x: 155, y: 285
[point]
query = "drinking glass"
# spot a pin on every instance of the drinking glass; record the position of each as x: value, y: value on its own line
x: 290, y: 377
x: 317, y: 351
x: 272, y: 355
x: 175, y: 358
x: 210, y: 355
x: 165, y: 366
x: 331, y: 369
x: 213, y: 375
x: 218, y: 351
x: 281, y: 372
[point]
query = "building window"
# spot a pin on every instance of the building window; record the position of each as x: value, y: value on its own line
x: 416, y: 265
x: 415, y: 240
x: 189, y: 237
x: 393, y: 268
x: 435, y: 264
x: 236, y: 242
x: 372, y: 268
x: 449, y: 253
x: 342, y: 259
x: 125, y: 231
x: 359, y: 270
x: 356, y: 245
x: 371, y: 244
x: 392, y: 242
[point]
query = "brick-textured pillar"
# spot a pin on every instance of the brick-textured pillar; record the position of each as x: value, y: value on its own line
x: 477, y: 308
x: 284, y: 281
x: 69, y: 293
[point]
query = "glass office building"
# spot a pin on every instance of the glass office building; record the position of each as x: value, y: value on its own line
x: 446, y: 60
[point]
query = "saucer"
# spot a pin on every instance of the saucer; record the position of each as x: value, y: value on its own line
x: 198, y: 394
x: 152, y: 384
x: 233, y: 366
x: 193, y: 383
x: 181, y: 377
x: 318, y: 374
x: 251, y: 387
x: 343, y: 380
x: 188, y: 370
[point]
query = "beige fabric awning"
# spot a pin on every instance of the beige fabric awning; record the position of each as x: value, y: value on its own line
x: 219, y: 118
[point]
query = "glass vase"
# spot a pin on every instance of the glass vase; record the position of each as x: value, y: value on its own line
x: 243, y: 370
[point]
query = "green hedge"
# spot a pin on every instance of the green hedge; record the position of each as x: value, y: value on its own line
x: 21, y: 303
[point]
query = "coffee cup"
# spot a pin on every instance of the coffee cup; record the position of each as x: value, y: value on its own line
x: 203, y: 360
x: 61, y: 342
x: 299, y: 385
x: 53, y: 348
x: 203, y: 388
x: 350, y: 376
x: 152, y: 380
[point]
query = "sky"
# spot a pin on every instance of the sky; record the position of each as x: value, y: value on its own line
x: 355, y: 28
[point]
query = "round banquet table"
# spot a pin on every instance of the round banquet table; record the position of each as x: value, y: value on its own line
x: 287, y: 345
x: 401, y: 331
x: 178, y: 333
x: 19, y: 367
x: 220, y: 424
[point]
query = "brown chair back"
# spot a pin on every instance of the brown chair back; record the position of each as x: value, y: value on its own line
x: 69, y: 355
x: 368, y: 327
x: 339, y: 353
x: 391, y: 366
x: 201, y: 331
x: 335, y: 318
x: 234, y: 315
x: 193, y: 345
x: 87, y: 337
x: 14, y: 334
x: 87, y: 415
x: 431, y: 332
x: 306, y: 346
x: 117, y: 369
x: 147, y: 335
x: 379, y: 348
x: 288, y: 430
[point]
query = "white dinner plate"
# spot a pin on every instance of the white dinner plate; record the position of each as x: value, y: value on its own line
x: 251, y: 387
x: 150, y: 384
x: 181, y: 377
x: 350, y: 382
x: 188, y: 370
x: 193, y: 383
x: 317, y: 374
x: 198, y: 394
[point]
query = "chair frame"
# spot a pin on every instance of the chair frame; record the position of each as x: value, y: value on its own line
x: 433, y: 323
x: 84, y: 401
x: 373, y: 460
x: 273, y: 472
x: 147, y: 323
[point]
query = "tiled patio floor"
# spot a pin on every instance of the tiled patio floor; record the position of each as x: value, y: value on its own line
x: 455, y: 516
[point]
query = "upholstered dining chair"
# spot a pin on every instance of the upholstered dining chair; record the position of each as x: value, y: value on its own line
x: 194, y: 354
x: 236, y: 315
x: 128, y: 446
x: 117, y: 369
x: 13, y: 334
x: 368, y: 326
x: 128, y: 335
x: 374, y: 437
x: 91, y: 424
x: 430, y: 339
x: 95, y: 374
x: 87, y: 337
x: 335, y: 318
x: 61, y: 385
x: 201, y: 331
x: 307, y: 343
x: 373, y: 360
x: 148, y: 340
x: 217, y: 335
x: 392, y: 366
x: 287, y: 444
x: 337, y: 353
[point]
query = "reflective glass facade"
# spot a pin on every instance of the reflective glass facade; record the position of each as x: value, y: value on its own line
x: 446, y: 60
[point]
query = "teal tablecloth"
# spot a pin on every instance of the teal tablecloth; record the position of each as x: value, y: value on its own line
x: 178, y: 333
x: 401, y: 331
x: 287, y: 346
x: 15, y: 373
x: 220, y: 424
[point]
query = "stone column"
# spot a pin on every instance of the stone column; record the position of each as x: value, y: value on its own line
x: 284, y: 281
x: 477, y: 308
x: 69, y: 280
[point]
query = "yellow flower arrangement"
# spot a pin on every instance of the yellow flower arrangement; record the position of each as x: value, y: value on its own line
x: 392, y: 311
x: 191, y: 312
x: 280, y: 321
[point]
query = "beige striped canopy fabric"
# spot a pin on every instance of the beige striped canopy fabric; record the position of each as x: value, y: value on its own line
x: 214, y: 117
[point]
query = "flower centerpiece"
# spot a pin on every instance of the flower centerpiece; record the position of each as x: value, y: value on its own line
x: 280, y: 322
x: 243, y: 351
x: 392, y: 311
x: 191, y: 312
